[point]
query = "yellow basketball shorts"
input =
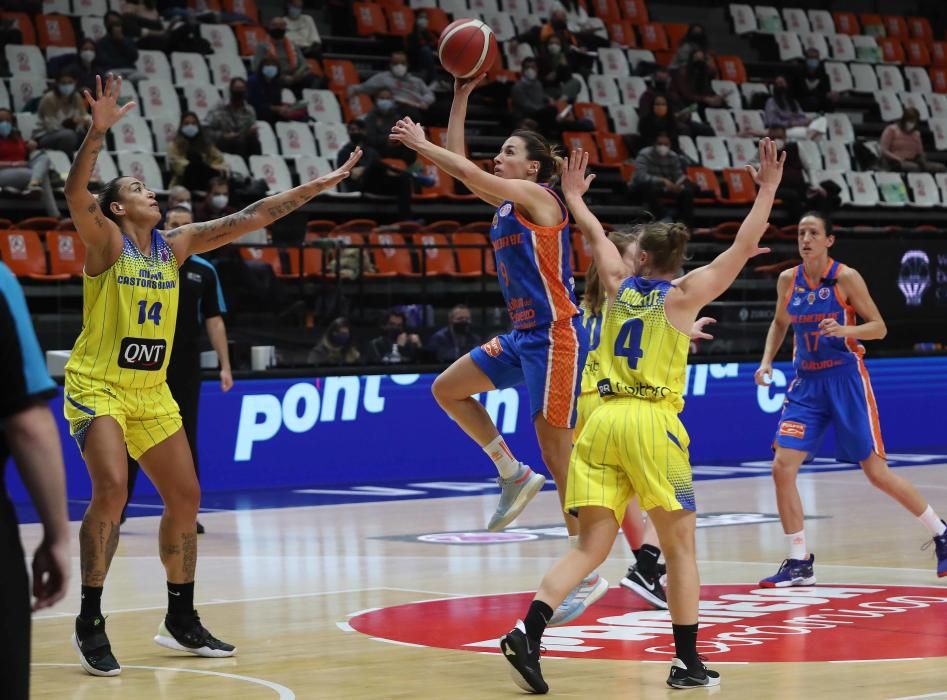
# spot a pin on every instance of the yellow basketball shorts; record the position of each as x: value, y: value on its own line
x: 587, y: 402
x: 147, y: 416
x: 631, y: 447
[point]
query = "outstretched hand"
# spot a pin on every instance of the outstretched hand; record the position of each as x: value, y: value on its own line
x: 106, y: 111
x: 330, y: 180
x: 408, y: 133
x: 698, y: 332
x: 464, y: 86
x: 771, y: 165
x: 574, y: 179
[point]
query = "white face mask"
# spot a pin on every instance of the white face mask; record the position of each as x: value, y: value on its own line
x: 399, y: 70
x: 779, y: 143
x: 530, y: 74
x: 909, y: 126
x: 662, y: 150
x: 87, y: 56
x: 554, y: 48
x: 421, y: 22
x: 218, y: 201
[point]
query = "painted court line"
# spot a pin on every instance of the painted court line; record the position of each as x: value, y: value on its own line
x: 922, y: 697
x: 281, y: 691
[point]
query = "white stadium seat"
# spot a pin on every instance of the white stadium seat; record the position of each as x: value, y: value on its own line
x: 891, y: 189
x: 840, y: 77
x: 889, y: 105
x: 889, y: 77
x: 863, y: 189
x: 721, y: 121
x: 835, y: 155
x: 713, y: 152
x: 24, y: 89
x: 189, y: 69
x: 132, y: 134
x: 143, y: 167
x: 154, y: 64
x: 604, y: 90
x: 840, y: 127
x: 790, y: 48
x: 25, y: 61
x: 330, y: 138
x: 796, y: 20
x: 158, y: 98
x: 821, y: 22
x: 295, y: 139
x: 924, y: 190
x: 613, y: 62
x: 625, y: 118
x: 842, y: 47
x: 272, y: 170
x: 744, y: 19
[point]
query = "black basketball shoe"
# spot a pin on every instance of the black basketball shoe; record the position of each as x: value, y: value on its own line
x: 92, y: 644
x: 698, y: 676
x: 186, y: 633
x: 523, y: 656
x: 647, y: 586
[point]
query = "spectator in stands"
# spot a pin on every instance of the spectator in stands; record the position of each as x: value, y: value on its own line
x: 335, y: 348
x: 659, y: 173
x: 901, y: 147
x: 658, y: 121
x: 216, y: 202
x: 294, y: 71
x: 231, y: 125
x: 63, y: 118
x: 421, y: 45
x: 589, y: 32
x: 694, y: 40
x: 811, y: 85
x: 372, y: 174
x: 660, y: 84
x: 24, y: 169
x: 455, y: 339
x: 411, y: 94
x: 693, y: 83
x: 530, y: 100
x: 301, y: 29
x: 265, y: 92
x: 179, y: 196
x: 115, y: 51
x: 555, y: 71
x: 783, y: 111
x: 142, y: 23
x: 192, y: 159
x: 395, y: 345
x: 84, y: 65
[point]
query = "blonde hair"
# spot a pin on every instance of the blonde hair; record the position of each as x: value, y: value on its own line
x: 665, y: 244
x: 594, y: 296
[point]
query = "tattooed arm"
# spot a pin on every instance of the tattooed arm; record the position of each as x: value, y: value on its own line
x: 201, y: 237
x: 101, y: 236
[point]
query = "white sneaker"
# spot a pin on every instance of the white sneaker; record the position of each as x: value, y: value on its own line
x: 589, y: 590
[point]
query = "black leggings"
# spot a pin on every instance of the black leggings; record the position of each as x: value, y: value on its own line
x: 15, y: 602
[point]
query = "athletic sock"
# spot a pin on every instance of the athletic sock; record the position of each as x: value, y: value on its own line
x: 502, y: 457
x: 932, y: 522
x: 180, y: 598
x: 685, y: 644
x: 647, y: 558
x: 536, y: 620
x: 797, y: 545
x: 91, y: 602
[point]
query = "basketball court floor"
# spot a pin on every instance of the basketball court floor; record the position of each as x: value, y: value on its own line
x: 406, y: 598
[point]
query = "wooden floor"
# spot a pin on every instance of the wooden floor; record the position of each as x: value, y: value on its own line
x: 281, y: 584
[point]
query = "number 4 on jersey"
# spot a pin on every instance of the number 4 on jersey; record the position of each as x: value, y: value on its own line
x: 153, y: 314
x: 628, y: 342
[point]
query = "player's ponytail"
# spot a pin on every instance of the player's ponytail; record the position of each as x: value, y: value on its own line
x: 594, y: 296
x: 666, y: 246
x: 109, y: 194
x: 551, y: 156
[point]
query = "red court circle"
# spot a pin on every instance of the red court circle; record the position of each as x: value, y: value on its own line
x: 739, y: 623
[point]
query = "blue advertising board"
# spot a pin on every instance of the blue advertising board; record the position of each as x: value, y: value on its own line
x: 311, y: 432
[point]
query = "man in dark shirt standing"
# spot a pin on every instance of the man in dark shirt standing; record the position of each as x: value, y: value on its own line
x: 201, y: 300
x: 455, y: 339
x: 28, y: 432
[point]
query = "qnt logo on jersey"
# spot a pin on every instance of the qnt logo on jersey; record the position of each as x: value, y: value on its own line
x: 142, y: 353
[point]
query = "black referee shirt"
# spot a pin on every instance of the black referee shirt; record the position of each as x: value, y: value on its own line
x: 201, y: 297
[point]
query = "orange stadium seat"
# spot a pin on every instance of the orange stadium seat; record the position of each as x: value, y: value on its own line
x: 920, y: 28
x: 55, y: 30
x: 442, y: 226
x: 846, y: 23
x: 635, y: 11
x: 473, y: 261
x: 38, y: 223
x: 871, y: 24
x: 731, y: 68
x: 939, y: 79
x: 593, y: 112
x: 356, y: 106
x: 369, y: 19
x: 653, y: 37
x: 23, y: 253
x: 938, y: 52
x: 896, y: 26
x: 583, y: 253
x: 437, y: 19
x: 611, y: 148
x: 740, y: 187
x: 436, y: 254
x: 607, y: 10
x: 66, y: 253
x: 623, y: 33
x: 341, y: 73
x: 706, y: 181
x: 248, y: 36
x: 312, y: 263
x: 400, y: 21
x: 22, y: 22
x: 389, y: 259
x: 676, y: 31
x: 891, y: 49
x: 574, y: 140
x: 243, y: 7
x: 268, y: 256
x: 917, y: 54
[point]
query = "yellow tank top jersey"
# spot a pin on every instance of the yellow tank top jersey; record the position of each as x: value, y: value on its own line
x: 128, y: 318
x: 593, y: 326
x: 642, y: 355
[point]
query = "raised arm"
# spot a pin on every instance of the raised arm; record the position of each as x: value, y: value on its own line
x: 209, y: 235
x: 703, y: 285
x: 100, y: 235
x: 777, y: 329
x: 488, y: 187
x: 455, y: 127
x: 612, y: 270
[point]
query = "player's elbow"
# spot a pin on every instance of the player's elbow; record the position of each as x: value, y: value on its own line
x: 882, y: 330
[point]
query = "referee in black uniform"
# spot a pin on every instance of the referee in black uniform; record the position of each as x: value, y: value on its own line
x: 201, y: 300
x: 27, y: 432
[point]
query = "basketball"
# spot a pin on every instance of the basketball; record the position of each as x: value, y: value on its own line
x: 466, y: 48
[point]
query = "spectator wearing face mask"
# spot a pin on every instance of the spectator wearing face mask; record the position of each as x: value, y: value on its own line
x: 783, y: 111
x: 231, y: 125
x: 24, y: 169
x: 395, y: 345
x: 411, y: 94
x: 216, y: 203
x: 178, y: 198
x: 530, y: 100
x: 301, y: 29
x: 335, y: 348
x: 694, y: 40
x: 84, y: 65
x: 372, y: 174
x: 811, y: 85
x: 555, y: 73
x: 265, y: 92
x: 659, y: 173
x: 63, y: 119
x: 421, y: 45
x: 192, y: 159
x: 456, y: 339
x: 294, y: 72
x: 692, y: 83
x: 658, y: 121
x: 115, y: 51
x: 901, y: 146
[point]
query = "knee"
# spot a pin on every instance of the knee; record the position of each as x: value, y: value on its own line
x: 185, y: 499
x: 678, y: 540
x: 110, y: 491
x: 784, y: 472
x: 444, y: 391
x: 878, y: 476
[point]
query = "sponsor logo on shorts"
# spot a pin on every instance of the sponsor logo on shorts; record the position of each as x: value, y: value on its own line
x: 791, y: 428
x: 739, y: 623
x: 146, y: 354
x: 492, y: 347
x: 505, y: 209
x: 824, y: 293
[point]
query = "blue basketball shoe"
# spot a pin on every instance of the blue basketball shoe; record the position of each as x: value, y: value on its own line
x: 940, y: 548
x: 792, y: 572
